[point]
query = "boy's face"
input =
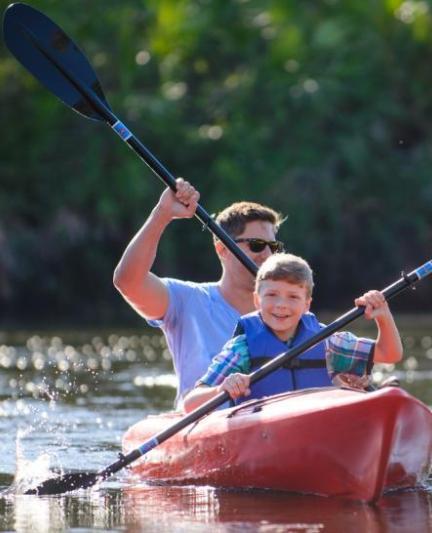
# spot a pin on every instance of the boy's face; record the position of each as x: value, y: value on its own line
x: 282, y: 305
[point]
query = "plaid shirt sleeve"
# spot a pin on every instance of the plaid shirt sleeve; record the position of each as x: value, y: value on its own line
x: 346, y: 353
x: 234, y: 357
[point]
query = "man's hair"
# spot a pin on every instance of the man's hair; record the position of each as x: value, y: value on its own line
x: 286, y: 267
x: 234, y: 218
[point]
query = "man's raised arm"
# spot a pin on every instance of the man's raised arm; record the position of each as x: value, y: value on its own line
x: 142, y: 289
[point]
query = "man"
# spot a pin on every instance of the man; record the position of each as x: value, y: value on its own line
x: 196, y: 318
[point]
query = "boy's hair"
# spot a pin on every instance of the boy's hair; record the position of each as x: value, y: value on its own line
x: 286, y: 267
x: 234, y: 218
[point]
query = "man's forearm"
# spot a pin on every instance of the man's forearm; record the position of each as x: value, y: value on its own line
x: 139, y: 256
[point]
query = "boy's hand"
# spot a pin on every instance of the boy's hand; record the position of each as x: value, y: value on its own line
x: 374, y: 303
x: 179, y: 204
x: 236, y: 385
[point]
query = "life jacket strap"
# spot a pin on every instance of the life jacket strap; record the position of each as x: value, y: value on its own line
x: 294, y: 364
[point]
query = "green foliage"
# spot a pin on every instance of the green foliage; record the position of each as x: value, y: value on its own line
x: 320, y: 109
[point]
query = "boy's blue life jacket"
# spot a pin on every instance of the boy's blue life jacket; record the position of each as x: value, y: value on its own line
x: 307, y: 370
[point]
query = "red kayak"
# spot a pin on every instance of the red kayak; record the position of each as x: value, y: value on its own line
x: 330, y: 442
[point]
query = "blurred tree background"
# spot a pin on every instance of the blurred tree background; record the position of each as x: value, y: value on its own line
x: 322, y: 110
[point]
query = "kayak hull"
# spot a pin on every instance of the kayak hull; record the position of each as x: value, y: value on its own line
x: 330, y: 442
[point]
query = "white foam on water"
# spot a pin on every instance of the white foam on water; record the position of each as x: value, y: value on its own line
x: 29, y: 473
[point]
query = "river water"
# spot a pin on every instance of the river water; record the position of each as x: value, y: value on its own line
x: 66, y: 398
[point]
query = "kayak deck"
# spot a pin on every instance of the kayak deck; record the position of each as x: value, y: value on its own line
x: 329, y: 441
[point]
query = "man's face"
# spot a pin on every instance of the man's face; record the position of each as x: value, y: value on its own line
x: 282, y: 305
x: 258, y: 229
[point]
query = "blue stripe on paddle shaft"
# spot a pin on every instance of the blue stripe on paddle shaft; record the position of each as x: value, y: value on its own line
x: 424, y: 270
x: 148, y: 445
x: 121, y: 130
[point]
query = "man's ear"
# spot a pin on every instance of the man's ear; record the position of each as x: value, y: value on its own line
x: 220, y: 248
x: 308, y: 304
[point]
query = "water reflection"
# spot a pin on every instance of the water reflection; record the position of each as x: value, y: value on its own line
x: 190, y: 509
x: 265, y: 511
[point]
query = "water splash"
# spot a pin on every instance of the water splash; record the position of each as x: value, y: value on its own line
x: 29, y: 473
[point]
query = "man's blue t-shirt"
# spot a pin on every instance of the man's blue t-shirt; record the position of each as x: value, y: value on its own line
x: 197, y: 324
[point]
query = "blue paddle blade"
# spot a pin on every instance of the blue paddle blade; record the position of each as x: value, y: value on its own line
x: 52, y: 57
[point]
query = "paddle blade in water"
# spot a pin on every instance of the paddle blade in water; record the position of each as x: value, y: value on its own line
x: 52, y: 57
x: 65, y: 483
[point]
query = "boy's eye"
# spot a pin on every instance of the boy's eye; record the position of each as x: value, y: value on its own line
x: 271, y: 294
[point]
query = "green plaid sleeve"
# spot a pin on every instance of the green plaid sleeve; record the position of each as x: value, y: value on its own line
x: 346, y: 353
x: 234, y: 357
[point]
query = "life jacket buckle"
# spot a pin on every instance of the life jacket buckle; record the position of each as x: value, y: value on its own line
x: 293, y: 364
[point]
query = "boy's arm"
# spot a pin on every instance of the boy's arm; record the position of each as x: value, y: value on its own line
x: 236, y: 385
x: 227, y: 372
x: 197, y: 396
x: 388, y: 347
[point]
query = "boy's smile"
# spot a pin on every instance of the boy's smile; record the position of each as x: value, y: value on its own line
x: 282, y: 305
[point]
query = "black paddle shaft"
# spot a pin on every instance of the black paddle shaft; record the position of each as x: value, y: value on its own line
x: 162, y: 172
x: 54, y: 59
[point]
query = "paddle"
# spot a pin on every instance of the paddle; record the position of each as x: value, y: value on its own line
x: 54, y: 59
x: 74, y: 481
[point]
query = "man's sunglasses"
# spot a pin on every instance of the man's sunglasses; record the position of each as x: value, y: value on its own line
x: 257, y: 245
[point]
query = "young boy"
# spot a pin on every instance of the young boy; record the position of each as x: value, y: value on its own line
x: 283, y: 294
